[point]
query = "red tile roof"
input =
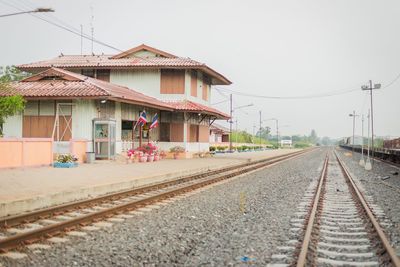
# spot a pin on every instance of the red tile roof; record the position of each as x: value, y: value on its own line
x: 72, y: 85
x: 146, y: 48
x: 187, y: 105
x: 120, y: 62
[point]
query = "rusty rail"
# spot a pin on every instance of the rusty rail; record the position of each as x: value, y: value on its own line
x: 378, y: 229
x: 302, y: 260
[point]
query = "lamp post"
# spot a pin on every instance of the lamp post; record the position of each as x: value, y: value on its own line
x: 368, y: 165
x: 37, y: 10
x: 370, y: 88
x: 354, y: 126
x: 362, y: 162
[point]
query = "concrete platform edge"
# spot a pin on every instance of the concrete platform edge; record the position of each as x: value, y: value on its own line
x: 43, y: 201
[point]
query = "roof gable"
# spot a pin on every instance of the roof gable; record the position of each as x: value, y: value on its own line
x: 54, y: 74
x: 143, y: 51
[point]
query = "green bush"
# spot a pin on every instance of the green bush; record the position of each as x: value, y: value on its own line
x: 220, y: 148
x: 212, y: 148
x: 301, y: 145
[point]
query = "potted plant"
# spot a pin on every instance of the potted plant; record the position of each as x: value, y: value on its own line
x: 157, y: 156
x: 130, y: 156
x: 65, y: 161
x: 150, y: 157
x: 143, y: 157
x: 162, y: 154
x: 176, y: 150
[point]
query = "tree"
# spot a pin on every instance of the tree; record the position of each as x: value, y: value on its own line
x: 265, y: 131
x: 11, y: 74
x: 10, y: 104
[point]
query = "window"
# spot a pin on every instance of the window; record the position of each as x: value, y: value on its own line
x: 103, y: 75
x: 193, y: 84
x: 88, y: 72
x: 172, y: 82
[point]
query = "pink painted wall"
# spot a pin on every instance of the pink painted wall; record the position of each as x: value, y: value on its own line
x: 25, y: 152
x: 78, y: 149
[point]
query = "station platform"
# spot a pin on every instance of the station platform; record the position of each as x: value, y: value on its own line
x: 29, y: 189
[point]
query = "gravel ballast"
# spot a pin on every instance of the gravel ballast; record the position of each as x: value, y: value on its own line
x: 383, y: 186
x: 207, y: 228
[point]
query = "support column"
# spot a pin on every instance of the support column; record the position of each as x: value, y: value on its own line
x: 185, y: 132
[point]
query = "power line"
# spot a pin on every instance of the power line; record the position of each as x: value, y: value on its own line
x: 66, y: 28
x: 392, y: 82
x: 333, y: 93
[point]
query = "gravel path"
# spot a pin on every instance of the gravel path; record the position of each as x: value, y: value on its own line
x: 385, y: 192
x: 207, y: 228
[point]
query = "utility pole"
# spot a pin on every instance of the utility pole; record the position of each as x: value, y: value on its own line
x: 368, y: 165
x: 354, y: 126
x: 230, y: 124
x: 362, y: 162
x: 370, y: 88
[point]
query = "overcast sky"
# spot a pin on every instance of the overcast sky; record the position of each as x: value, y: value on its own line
x: 270, y: 48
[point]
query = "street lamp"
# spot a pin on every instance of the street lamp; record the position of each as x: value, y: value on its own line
x: 370, y: 88
x: 354, y: 126
x: 37, y: 10
x: 362, y: 162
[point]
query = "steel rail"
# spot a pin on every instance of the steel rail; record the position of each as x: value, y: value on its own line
x: 15, y: 220
x: 53, y: 229
x: 383, y: 238
x: 302, y: 259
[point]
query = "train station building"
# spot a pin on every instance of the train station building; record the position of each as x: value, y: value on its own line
x: 99, y: 98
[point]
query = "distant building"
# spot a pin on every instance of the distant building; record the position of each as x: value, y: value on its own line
x: 286, y: 143
x: 218, y: 134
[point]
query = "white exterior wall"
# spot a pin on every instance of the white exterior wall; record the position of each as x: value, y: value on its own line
x: 149, y: 82
x: 144, y: 81
x: 13, y: 126
x: 83, y: 114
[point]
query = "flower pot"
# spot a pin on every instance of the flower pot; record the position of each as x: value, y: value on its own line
x: 176, y: 155
x: 150, y: 158
x: 156, y: 157
x: 65, y: 164
x: 143, y: 158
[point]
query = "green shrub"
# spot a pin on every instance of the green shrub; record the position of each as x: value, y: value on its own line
x: 301, y: 145
x: 212, y: 148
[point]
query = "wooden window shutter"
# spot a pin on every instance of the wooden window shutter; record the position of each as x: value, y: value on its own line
x: 193, y: 84
x: 172, y: 82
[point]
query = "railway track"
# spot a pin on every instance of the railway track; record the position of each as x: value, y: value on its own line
x: 342, y: 229
x: 17, y: 231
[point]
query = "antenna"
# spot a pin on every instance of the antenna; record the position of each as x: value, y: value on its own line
x: 81, y: 39
x: 91, y: 25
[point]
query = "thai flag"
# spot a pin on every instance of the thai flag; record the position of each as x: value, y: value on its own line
x: 154, y: 122
x: 142, y: 119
